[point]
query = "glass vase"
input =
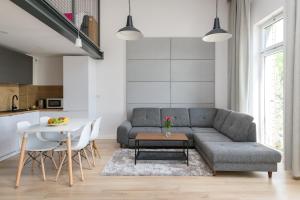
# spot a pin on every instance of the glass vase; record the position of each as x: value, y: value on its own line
x: 168, y: 132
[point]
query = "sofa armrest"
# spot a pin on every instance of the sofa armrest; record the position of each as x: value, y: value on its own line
x: 123, y: 132
x: 252, y: 133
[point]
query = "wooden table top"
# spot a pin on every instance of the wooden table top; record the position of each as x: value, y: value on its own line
x: 161, y: 137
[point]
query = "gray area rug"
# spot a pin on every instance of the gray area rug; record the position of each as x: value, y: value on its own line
x: 122, y: 164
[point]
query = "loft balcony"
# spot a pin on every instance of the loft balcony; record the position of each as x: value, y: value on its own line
x: 69, y: 18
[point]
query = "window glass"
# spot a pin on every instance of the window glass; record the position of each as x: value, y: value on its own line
x: 273, y: 34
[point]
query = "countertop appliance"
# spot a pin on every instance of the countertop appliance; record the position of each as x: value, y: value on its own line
x: 54, y: 103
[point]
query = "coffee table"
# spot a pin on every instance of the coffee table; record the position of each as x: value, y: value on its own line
x: 161, y: 155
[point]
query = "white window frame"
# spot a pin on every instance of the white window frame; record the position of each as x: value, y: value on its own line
x: 264, y: 52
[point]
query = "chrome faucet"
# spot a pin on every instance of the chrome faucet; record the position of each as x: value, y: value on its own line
x: 13, y: 105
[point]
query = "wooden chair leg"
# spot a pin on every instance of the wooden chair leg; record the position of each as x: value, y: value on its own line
x: 80, y: 165
x: 53, y: 160
x: 92, y: 152
x: 270, y: 174
x: 87, y: 158
x: 21, y: 161
x: 60, y: 166
x: 32, y: 163
x: 96, y: 149
x: 43, y: 166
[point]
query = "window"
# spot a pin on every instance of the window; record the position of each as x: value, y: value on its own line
x: 271, y: 84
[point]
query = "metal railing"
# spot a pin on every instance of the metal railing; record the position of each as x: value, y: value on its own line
x: 84, y: 14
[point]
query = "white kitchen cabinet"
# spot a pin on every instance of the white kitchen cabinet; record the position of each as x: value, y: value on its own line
x: 9, y: 138
x: 79, y: 80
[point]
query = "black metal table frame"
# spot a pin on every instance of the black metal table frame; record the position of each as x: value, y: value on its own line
x: 137, y: 151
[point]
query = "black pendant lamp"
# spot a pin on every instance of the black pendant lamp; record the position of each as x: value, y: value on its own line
x: 217, y: 34
x: 129, y: 32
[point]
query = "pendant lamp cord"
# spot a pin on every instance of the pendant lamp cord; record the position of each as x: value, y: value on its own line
x: 129, y: 7
x: 217, y: 8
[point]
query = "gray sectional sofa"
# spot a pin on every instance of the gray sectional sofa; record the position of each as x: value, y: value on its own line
x: 225, y: 139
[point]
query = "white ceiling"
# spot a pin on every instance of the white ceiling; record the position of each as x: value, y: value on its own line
x: 24, y: 33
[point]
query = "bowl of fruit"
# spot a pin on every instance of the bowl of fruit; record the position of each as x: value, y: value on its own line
x: 58, y: 121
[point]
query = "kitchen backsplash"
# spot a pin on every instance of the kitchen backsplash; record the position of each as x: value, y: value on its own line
x: 28, y: 94
x: 6, y: 93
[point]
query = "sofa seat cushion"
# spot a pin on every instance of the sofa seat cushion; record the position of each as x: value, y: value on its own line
x: 202, y: 117
x: 187, y: 130
x: 180, y: 116
x: 135, y: 130
x: 236, y: 126
x: 210, y: 137
x: 146, y: 117
x: 204, y: 130
x: 220, y: 118
x: 239, y: 152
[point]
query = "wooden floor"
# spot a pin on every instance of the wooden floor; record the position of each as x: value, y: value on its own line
x: 225, y: 186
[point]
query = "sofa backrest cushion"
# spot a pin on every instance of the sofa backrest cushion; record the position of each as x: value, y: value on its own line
x: 236, y: 126
x: 146, y: 117
x: 202, y: 117
x: 220, y: 118
x: 180, y: 116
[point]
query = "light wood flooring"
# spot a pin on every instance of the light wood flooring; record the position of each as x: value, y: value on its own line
x: 225, y: 186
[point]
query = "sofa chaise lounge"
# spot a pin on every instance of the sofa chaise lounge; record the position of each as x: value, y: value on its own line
x: 225, y: 139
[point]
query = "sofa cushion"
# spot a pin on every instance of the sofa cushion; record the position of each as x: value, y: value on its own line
x: 204, y: 130
x: 187, y: 130
x: 210, y: 137
x: 220, y: 118
x: 146, y: 117
x: 240, y: 152
x: 202, y: 117
x: 180, y: 116
x: 236, y: 126
x: 135, y: 130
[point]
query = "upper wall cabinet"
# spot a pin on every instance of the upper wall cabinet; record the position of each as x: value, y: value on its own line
x: 15, y: 67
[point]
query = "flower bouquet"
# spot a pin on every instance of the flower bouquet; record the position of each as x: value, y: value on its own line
x: 168, y: 125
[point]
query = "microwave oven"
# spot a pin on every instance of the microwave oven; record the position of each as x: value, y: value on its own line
x: 54, y: 103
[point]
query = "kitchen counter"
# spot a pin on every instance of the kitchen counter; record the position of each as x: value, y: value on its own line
x: 10, y: 113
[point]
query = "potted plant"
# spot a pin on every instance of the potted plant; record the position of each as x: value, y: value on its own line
x: 168, y: 125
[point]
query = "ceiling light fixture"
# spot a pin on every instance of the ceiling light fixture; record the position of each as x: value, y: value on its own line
x: 217, y: 34
x: 78, y: 42
x: 129, y: 32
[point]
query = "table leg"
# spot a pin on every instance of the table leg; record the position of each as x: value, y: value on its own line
x: 134, y: 152
x: 21, y: 160
x: 187, y: 153
x: 70, y: 159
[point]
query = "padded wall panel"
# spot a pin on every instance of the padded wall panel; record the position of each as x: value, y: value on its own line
x: 192, y: 92
x: 170, y: 72
x: 149, y: 48
x: 193, y: 70
x: 148, y: 92
x: 193, y: 105
x: 148, y: 70
x: 192, y: 48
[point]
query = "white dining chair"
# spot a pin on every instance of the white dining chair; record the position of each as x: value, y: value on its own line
x: 78, y: 147
x: 36, y: 148
x: 94, y: 135
x: 54, y: 137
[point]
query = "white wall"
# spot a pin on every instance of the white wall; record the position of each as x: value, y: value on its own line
x: 155, y: 18
x: 48, y: 70
x: 263, y: 8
